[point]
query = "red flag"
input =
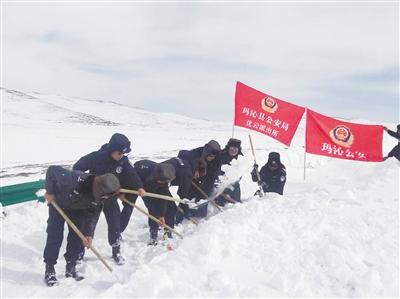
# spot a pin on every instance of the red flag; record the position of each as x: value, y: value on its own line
x: 266, y: 114
x: 339, y: 139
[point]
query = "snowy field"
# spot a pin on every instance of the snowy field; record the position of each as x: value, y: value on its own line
x: 336, y: 234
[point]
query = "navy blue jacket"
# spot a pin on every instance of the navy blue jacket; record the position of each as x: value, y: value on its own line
x: 395, y: 152
x: 272, y: 180
x: 73, y: 191
x: 394, y: 134
x: 101, y: 162
x: 184, y: 171
x: 144, y: 169
x: 206, y: 183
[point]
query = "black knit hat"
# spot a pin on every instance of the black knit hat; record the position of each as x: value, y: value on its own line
x: 234, y: 142
x: 274, y: 156
x: 119, y: 143
x: 163, y: 172
x: 212, y: 147
x: 105, y: 184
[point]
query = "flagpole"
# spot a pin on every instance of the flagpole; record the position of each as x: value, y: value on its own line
x: 305, y: 162
x: 305, y: 142
x: 234, y: 110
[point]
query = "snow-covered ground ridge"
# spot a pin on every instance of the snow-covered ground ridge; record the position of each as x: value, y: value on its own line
x: 336, y: 234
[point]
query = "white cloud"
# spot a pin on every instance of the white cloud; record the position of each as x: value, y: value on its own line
x: 186, y: 57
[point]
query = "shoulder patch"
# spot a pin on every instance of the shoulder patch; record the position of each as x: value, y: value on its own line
x: 118, y: 169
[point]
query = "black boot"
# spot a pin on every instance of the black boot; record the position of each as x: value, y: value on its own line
x: 50, y: 276
x: 153, y: 237
x: 116, y: 255
x: 167, y: 234
x: 70, y: 271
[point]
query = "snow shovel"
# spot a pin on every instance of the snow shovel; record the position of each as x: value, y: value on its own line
x: 160, y: 196
x: 210, y: 199
x: 154, y: 195
x: 80, y: 235
x: 150, y: 216
x: 188, y: 218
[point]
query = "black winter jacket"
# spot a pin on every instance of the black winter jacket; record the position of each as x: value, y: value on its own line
x: 73, y: 191
x: 101, y: 162
x: 145, y: 169
x: 395, y: 152
x: 206, y: 183
x: 272, y: 180
x: 184, y: 174
x: 394, y: 134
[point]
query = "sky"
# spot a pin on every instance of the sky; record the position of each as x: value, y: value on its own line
x: 338, y: 58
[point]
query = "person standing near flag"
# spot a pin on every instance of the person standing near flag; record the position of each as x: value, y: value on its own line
x: 395, y: 152
x: 272, y: 174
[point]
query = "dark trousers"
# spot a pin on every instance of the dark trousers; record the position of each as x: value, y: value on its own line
x: 395, y: 152
x: 233, y: 191
x: 112, y: 214
x: 113, y: 217
x: 128, y: 182
x: 274, y: 188
x: 154, y: 209
x: 55, y: 236
x: 127, y: 211
x: 182, y: 213
x: 170, y: 214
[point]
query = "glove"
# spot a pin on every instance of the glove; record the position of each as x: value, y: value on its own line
x: 186, y: 201
x: 263, y: 185
x: 231, y: 187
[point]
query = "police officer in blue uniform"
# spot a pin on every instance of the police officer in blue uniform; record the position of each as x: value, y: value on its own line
x: 111, y: 158
x: 81, y: 196
x: 272, y: 174
x: 156, y: 178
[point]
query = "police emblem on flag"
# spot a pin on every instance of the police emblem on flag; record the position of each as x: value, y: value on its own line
x: 269, y: 104
x: 341, y: 135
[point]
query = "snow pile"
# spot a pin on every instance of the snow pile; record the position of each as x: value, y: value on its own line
x: 333, y: 235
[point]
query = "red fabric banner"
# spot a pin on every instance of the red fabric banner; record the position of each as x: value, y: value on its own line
x: 339, y: 139
x: 266, y: 114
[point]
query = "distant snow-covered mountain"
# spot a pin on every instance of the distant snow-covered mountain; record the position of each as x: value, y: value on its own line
x: 34, y: 108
